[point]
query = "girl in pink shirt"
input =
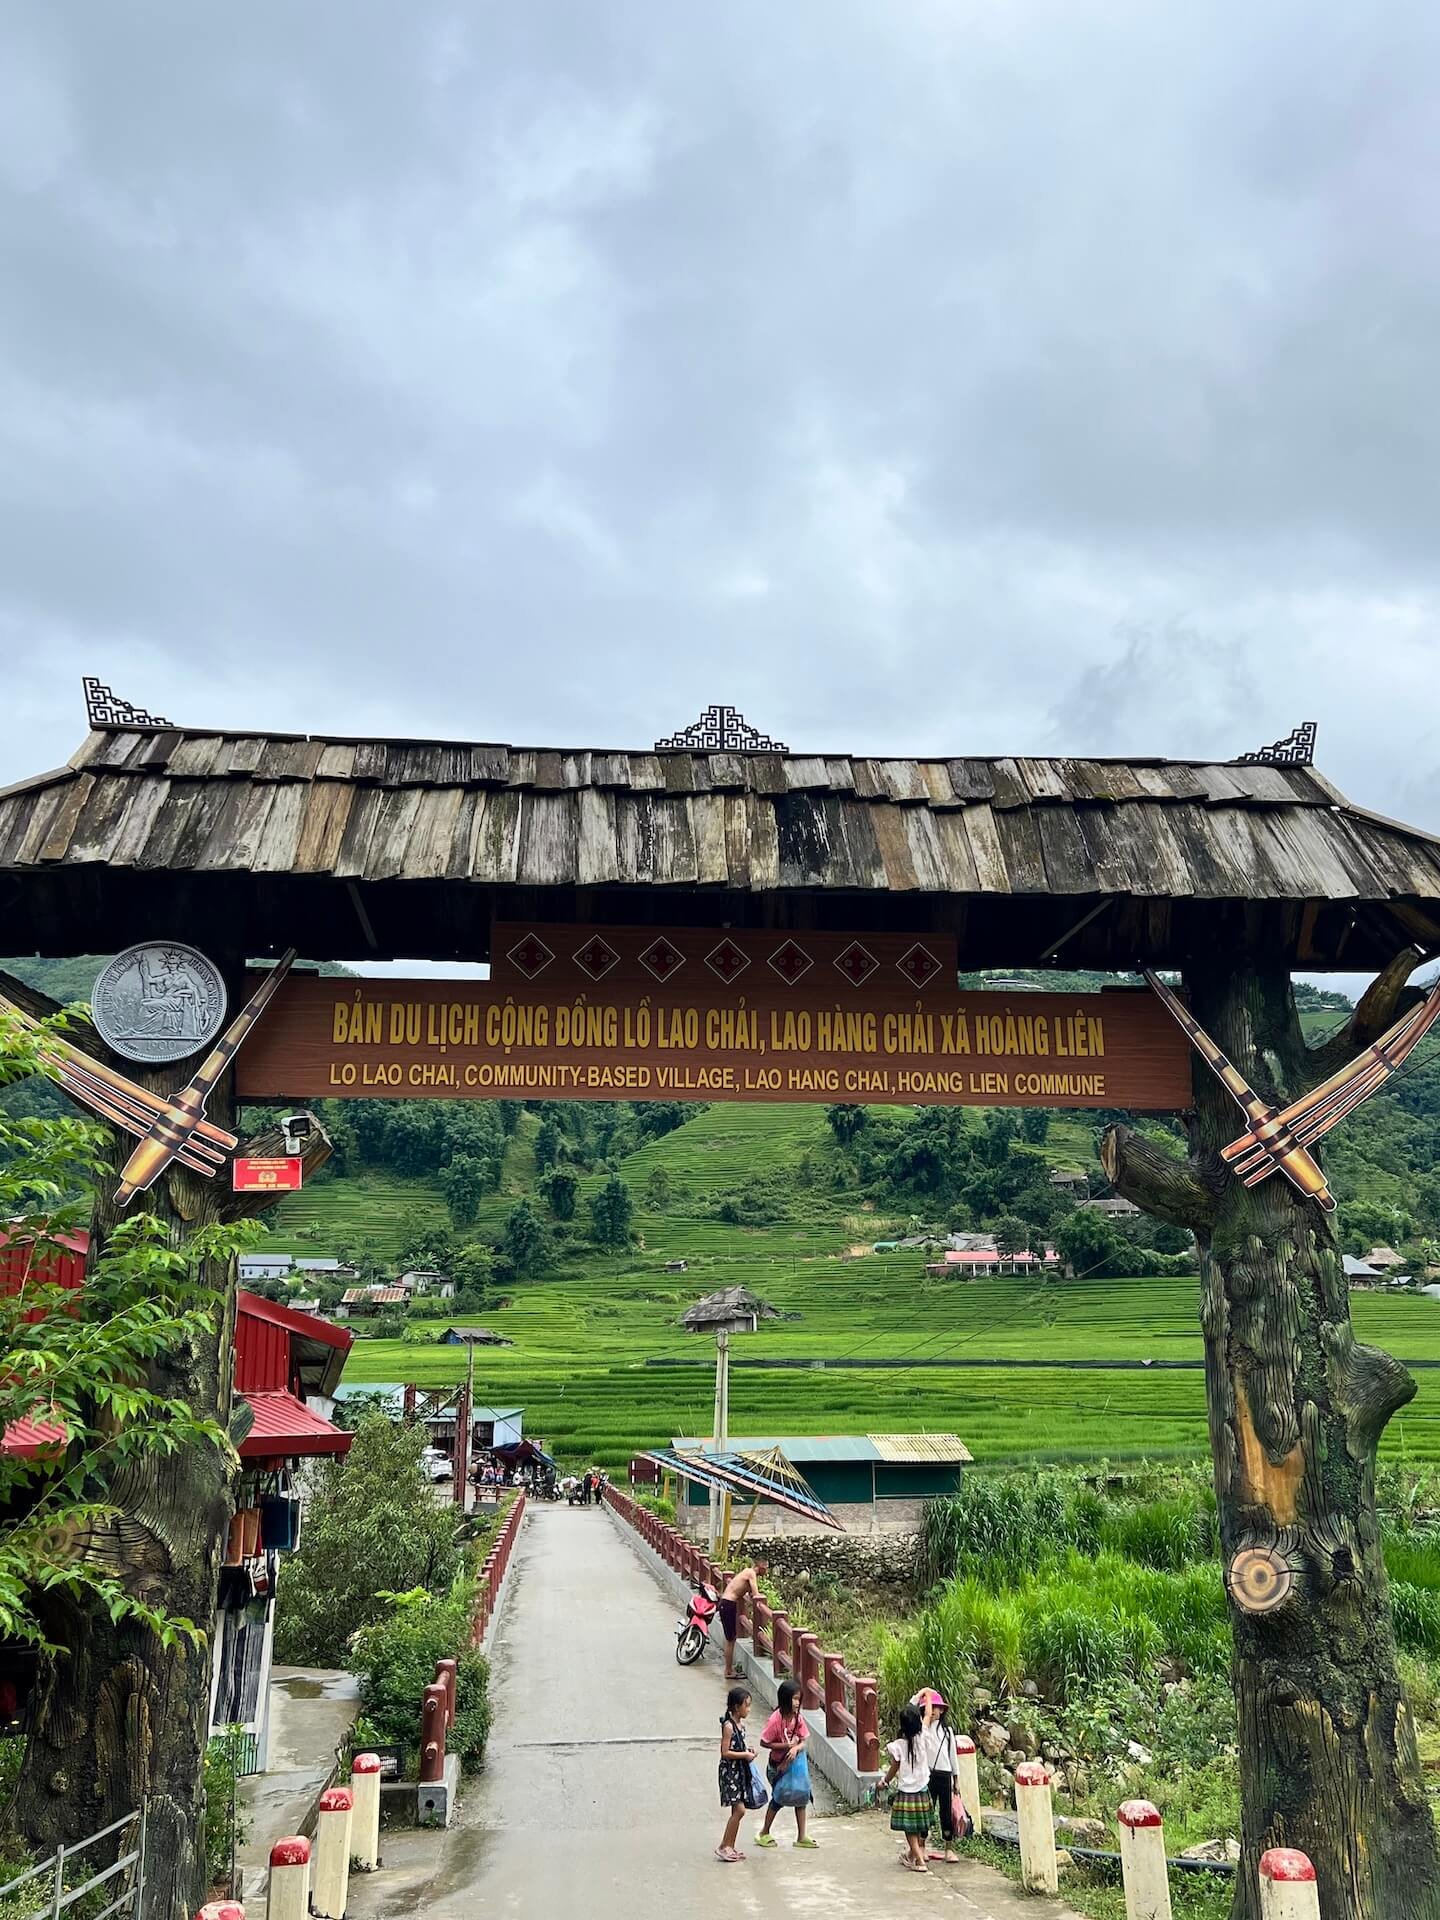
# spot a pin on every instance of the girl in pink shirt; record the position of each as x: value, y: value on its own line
x: 784, y: 1738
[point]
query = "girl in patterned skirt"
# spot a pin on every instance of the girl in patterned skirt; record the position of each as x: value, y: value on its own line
x: 736, y: 1753
x: 911, y: 1810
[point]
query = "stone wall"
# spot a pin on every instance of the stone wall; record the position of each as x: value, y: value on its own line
x: 880, y: 1519
x: 877, y: 1559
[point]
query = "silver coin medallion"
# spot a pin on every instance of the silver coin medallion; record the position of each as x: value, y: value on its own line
x: 159, y: 1001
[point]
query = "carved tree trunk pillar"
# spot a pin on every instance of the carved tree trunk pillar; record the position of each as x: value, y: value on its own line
x: 1296, y: 1407
x: 123, y: 1717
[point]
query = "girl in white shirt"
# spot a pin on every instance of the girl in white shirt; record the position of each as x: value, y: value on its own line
x: 940, y: 1745
x: 912, y: 1810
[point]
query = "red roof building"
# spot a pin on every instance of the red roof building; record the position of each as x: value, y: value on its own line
x: 281, y: 1358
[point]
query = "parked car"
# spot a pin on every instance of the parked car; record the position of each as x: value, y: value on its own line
x: 436, y: 1464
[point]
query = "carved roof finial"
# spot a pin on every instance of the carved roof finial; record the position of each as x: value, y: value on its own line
x: 720, y: 730
x: 1297, y: 749
x: 106, y: 709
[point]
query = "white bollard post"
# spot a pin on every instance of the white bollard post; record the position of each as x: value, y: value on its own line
x: 365, y: 1787
x: 287, y: 1897
x: 1288, y: 1888
x: 967, y: 1779
x: 332, y: 1854
x: 1142, y: 1862
x: 1039, y: 1869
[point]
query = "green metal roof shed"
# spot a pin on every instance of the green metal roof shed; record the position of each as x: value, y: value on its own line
x: 856, y: 1469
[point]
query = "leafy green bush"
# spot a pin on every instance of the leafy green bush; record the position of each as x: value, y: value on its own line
x: 394, y: 1661
x: 371, y: 1526
x: 226, y: 1826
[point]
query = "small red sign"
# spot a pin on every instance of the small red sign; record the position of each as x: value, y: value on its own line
x: 266, y: 1176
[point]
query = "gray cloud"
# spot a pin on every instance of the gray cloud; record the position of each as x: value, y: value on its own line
x: 1054, y: 377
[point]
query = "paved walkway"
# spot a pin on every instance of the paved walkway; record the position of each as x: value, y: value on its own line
x: 598, y: 1799
x: 312, y: 1710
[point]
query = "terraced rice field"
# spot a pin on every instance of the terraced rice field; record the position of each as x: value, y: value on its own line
x: 583, y: 1338
x: 373, y: 1207
x: 581, y: 1345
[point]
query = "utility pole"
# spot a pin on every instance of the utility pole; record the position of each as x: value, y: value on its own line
x: 720, y: 1504
x: 463, y: 1429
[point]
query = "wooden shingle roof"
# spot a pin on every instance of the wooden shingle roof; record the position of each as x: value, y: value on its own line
x: 1032, y: 839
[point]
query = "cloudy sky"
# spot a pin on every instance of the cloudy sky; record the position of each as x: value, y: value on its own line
x: 917, y: 375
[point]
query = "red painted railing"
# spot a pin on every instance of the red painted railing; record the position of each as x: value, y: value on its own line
x: 849, y: 1700
x: 437, y: 1707
x: 493, y: 1572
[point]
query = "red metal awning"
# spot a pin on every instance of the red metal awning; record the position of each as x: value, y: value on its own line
x: 28, y: 1439
x: 285, y: 1428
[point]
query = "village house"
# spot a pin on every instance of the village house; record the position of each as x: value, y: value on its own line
x: 472, y: 1337
x: 365, y: 1303
x: 980, y: 1262
x: 427, y: 1280
x: 1113, y: 1207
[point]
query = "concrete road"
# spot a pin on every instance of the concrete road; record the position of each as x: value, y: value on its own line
x: 598, y: 1800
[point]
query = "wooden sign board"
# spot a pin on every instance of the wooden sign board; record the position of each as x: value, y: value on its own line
x: 254, y: 1175
x: 696, y: 1016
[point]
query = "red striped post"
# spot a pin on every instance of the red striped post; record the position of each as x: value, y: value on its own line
x: 1142, y: 1862
x: 365, y: 1792
x: 967, y: 1779
x: 1288, y: 1887
x: 287, y: 1893
x: 867, y: 1724
x: 332, y: 1854
x: 1039, y: 1869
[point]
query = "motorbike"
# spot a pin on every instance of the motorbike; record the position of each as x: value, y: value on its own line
x: 693, y: 1632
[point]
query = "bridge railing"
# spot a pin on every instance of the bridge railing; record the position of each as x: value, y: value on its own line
x: 850, y: 1701
x: 492, y: 1574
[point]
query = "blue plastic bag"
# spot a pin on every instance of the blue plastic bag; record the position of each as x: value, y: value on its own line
x: 755, y: 1794
x: 792, y: 1787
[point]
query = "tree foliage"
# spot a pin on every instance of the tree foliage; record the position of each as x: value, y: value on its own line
x: 525, y: 1244
x: 76, y: 1360
x: 371, y: 1528
x: 561, y: 1189
x: 610, y: 1214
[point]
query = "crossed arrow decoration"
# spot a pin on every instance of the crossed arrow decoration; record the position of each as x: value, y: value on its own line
x: 1280, y: 1138
x: 173, y: 1128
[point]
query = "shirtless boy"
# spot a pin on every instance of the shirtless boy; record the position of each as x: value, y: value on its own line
x: 736, y: 1588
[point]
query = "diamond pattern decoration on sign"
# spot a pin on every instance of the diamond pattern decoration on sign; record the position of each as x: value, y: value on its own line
x: 596, y: 958
x: 726, y: 961
x: 530, y: 956
x: 791, y: 962
x: 661, y: 960
x: 857, y: 963
x: 918, y: 965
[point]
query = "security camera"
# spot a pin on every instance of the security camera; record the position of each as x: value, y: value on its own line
x: 297, y: 1129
